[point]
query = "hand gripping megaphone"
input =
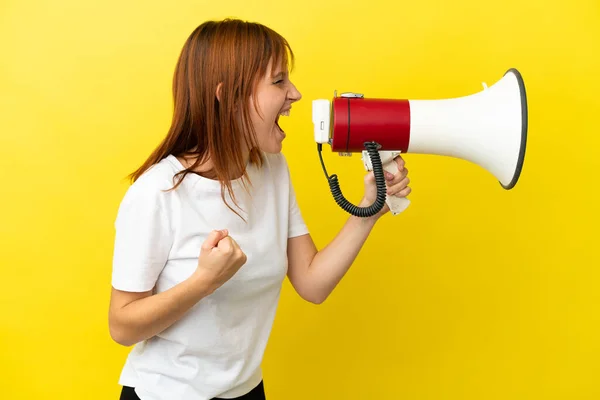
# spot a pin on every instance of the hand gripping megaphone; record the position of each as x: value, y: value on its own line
x: 488, y: 128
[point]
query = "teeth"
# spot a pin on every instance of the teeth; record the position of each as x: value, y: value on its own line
x: 285, y: 113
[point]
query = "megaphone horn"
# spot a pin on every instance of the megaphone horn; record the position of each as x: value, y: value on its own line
x: 488, y: 128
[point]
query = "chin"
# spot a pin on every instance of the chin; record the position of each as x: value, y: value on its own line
x: 274, y: 142
x: 272, y: 148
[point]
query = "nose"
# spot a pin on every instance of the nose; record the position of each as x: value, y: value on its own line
x: 293, y: 93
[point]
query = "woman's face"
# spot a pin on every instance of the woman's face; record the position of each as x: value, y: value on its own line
x: 275, y: 94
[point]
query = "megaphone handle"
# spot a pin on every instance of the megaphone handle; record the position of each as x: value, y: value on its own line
x: 396, y: 204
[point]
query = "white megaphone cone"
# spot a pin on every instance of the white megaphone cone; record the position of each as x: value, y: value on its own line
x: 488, y: 128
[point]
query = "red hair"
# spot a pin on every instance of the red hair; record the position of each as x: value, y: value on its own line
x: 235, y: 54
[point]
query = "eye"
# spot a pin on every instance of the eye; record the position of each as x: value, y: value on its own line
x: 278, y: 81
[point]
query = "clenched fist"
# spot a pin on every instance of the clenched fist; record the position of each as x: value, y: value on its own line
x: 220, y: 258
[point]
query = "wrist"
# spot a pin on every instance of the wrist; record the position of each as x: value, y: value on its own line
x: 201, y: 284
x: 372, y: 219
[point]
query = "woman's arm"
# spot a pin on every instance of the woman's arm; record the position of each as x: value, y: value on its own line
x: 134, y: 317
x: 314, y: 274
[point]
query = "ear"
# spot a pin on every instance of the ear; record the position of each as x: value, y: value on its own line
x: 218, y: 91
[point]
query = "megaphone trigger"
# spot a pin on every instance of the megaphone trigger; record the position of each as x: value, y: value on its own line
x: 396, y: 204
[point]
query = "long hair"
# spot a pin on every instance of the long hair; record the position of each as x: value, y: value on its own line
x: 235, y: 54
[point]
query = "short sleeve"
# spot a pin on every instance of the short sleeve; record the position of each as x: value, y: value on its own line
x: 143, y: 240
x: 296, y: 224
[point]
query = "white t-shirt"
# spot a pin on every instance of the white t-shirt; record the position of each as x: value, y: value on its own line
x: 216, y: 349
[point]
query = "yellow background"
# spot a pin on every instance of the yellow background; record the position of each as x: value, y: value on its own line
x: 473, y: 293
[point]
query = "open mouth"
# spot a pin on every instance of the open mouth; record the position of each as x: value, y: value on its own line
x: 285, y: 113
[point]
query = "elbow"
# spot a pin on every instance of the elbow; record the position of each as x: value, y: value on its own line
x: 122, y: 340
x: 119, y: 336
x: 309, y: 292
x: 316, y: 298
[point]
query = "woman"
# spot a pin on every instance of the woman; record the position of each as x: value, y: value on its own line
x: 210, y: 227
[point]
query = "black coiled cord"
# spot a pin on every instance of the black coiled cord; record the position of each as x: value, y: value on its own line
x: 373, y: 150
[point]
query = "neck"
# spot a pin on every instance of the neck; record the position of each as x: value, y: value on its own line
x: 206, y: 168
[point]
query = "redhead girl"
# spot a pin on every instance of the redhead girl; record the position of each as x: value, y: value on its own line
x: 210, y: 227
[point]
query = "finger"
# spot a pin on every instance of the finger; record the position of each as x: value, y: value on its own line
x: 398, y: 177
x: 234, y: 244
x: 392, y: 190
x: 213, y: 238
x: 400, y: 162
x: 404, y: 192
x: 226, y: 244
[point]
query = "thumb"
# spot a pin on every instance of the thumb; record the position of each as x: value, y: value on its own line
x: 213, y: 239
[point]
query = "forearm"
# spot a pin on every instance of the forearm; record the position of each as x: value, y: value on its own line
x: 148, y: 316
x: 332, y: 262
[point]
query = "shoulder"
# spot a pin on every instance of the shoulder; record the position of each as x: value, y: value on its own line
x: 158, y: 177
x: 151, y: 189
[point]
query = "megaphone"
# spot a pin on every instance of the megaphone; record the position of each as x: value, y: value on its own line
x: 488, y: 128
